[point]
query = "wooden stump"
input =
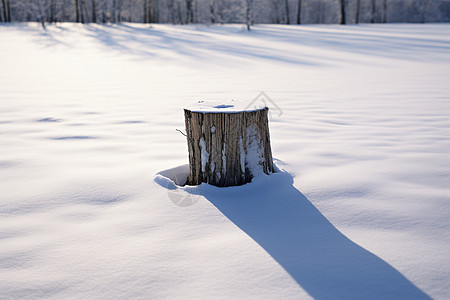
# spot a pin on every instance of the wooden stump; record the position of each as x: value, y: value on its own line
x: 227, y: 146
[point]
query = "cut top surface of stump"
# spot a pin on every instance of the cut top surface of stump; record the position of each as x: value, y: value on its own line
x: 228, y: 107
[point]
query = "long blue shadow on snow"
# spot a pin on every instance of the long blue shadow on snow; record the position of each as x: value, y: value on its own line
x: 321, y: 259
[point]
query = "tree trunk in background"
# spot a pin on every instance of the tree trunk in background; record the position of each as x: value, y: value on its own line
x: 114, y: 11
x: 149, y: 11
x: 343, y: 19
x: 7, y: 10
x: 119, y: 10
x: 94, y: 11
x: 5, y: 14
x: 103, y: 11
x: 145, y: 9
x: 42, y: 15
x: 52, y: 13
x: 80, y: 3
x: 320, y: 11
x: 155, y: 11
x: 227, y: 149
x: 189, y: 12
x: 372, y: 18
x: 384, y: 11
x: 180, y: 19
x: 220, y: 11
x: 211, y: 11
x: 85, y: 12
x: 288, y: 17
x: 77, y: 11
x: 249, y: 14
x: 358, y: 8
x: 299, y: 12
x: 276, y: 12
x: 63, y: 11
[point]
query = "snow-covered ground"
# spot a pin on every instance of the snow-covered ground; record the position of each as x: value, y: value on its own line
x: 88, y: 117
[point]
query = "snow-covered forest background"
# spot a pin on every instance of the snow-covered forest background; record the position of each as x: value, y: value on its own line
x: 226, y: 11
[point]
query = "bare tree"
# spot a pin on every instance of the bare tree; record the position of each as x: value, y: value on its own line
x: 211, y: 11
x: 94, y: 11
x: 114, y: 11
x: 103, y: 11
x: 51, y: 11
x: 286, y: 7
x: 372, y: 16
x: 358, y: 8
x: 221, y: 11
x: 41, y: 12
x: 147, y: 10
x: 384, y: 11
x: 275, y: 11
x: 6, y: 12
x: 64, y: 16
x: 249, y: 14
x: 180, y: 19
x: 320, y: 21
x: 82, y: 11
x: 155, y: 11
x: 77, y: 11
x: 85, y: 14
x: 299, y: 12
x: 119, y: 9
x: 189, y: 11
x: 281, y: 11
x: 343, y: 19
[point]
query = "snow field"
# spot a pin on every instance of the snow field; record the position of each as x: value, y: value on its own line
x: 88, y: 116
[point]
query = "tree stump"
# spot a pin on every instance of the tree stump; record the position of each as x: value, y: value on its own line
x: 228, y: 145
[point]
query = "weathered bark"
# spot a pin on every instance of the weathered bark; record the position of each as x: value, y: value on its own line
x: 228, y: 149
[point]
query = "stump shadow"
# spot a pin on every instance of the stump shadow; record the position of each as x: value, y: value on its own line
x: 323, y: 261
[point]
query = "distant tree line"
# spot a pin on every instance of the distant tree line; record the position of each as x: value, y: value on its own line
x: 225, y: 11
